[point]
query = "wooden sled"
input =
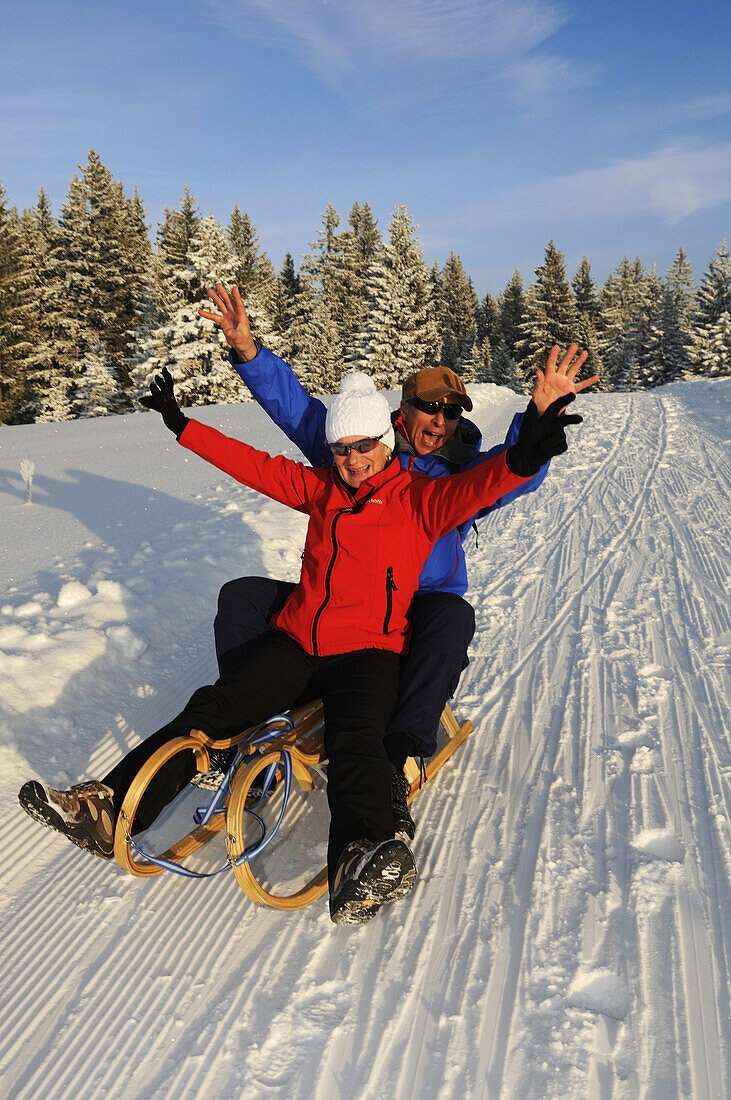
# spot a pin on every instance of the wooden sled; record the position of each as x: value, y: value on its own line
x: 297, y: 737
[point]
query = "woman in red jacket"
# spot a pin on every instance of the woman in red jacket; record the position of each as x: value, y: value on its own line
x: 339, y: 635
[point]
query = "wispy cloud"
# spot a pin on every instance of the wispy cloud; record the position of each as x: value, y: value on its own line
x: 671, y: 183
x: 347, y: 42
x: 709, y: 106
x: 337, y: 36
x: 535, y: 82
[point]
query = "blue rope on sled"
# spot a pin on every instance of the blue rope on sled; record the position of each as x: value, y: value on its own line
x: 203, y: 814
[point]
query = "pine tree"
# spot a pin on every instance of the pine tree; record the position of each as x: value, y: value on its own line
x: 458, y: 319
x: 287, y: 289
x: 621, y: 302
x: 320, y: 302
x: 320, y: 366
x: 478, y: 367
x: 401, y: 332
x: 94, y: 275
x: 672, y: 331
x: 47, y: 388
x: 16, y: 313
x: 193, y: 350
x: 708, y: 352
x: 513, y: 308
x: 718, y: 354
x: 355, y: 251
x: 68, y: 326
x: 245, y: 248
x: 588, y: 307
x: 488, y: 319
x: 551, y: 316
x: 175, y: 279
x: 254, y: 276
x: 96, y: 390
x: 504, y: 370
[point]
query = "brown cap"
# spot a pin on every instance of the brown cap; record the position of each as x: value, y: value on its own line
x: 435, y: 382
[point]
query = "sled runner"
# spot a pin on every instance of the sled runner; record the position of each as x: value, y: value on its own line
x: 287, y: 747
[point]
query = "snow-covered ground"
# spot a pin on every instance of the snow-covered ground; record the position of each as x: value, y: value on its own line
x: 568, y: 935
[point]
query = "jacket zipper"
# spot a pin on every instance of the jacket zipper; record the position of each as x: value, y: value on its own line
x: 390, y: 589
x: 328, y: 575
x: 358, y: 507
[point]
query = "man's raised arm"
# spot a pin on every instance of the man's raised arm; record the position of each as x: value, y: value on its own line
x: 271, y: 381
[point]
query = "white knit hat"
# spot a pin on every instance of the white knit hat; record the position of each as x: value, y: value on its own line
x: 359, y: 409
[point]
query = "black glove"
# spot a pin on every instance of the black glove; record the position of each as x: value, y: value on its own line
x: 162, y: 400
x: 540, y: 437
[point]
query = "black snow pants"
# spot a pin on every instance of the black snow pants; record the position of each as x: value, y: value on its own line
x: 359, y: 692
x: 442, y: 625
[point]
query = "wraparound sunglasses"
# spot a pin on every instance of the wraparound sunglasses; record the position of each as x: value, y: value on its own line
x: 361, y: 446
x: 448, y: 411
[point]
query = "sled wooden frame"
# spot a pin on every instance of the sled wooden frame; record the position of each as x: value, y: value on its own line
x: 303, y: 742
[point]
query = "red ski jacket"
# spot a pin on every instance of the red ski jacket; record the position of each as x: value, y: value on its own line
x: 364, y: 548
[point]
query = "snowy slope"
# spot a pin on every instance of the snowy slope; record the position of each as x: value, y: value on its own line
x: 569, y: 932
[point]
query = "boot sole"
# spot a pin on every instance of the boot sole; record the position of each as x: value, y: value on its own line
x: 32, y: 798
x: 388, y: 876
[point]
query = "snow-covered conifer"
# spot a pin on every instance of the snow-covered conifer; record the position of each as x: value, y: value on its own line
x: 672, y: 330
x: 16, y: 313
x: 255, y: 278
x: 290, y: 314
x: 192, y: 349
x: 457, y: 318
x: 175, y: 277
x: 551, y: 315
x: 504, y: 369
x: 708, y: 351
x: 621, y: 302
x: 95, y: 390
x: 588, y: 307
x: 401, y: 332
x: 512, y: 304
x: 488, y: 318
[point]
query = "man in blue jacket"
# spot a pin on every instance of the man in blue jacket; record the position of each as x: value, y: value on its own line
x: 432, y: 436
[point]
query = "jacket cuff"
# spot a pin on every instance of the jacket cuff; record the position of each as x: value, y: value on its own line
x: 236, y: 362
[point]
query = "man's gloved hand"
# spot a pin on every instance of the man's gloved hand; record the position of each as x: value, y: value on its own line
x: 540, y: 437
x: 162, y: 400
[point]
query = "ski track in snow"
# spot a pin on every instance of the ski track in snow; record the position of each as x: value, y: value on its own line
x: 569, y: 932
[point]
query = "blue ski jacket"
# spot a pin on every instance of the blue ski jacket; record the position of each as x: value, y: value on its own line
x: 302, y: 418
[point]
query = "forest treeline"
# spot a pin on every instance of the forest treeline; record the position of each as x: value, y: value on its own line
x: 90, y: 307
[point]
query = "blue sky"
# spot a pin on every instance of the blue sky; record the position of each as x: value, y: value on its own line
x: 499, y: 123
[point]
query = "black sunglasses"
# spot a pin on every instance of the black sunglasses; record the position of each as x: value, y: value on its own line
x: 361, y: 446
x: 448, y: 411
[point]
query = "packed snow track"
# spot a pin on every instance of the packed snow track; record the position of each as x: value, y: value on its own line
x: 569, y: 933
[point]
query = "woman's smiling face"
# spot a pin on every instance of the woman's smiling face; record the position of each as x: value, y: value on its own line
x: 355, y: 468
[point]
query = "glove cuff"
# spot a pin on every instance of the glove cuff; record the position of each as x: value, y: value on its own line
x: 520, y: 463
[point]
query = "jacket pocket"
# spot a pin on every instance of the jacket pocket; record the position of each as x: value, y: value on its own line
x: 390, y: 589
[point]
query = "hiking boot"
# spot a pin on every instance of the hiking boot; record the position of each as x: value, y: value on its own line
x: 368, y: 876
x: 220, y: 761
x: 84, y: 814
x: 404, y: 827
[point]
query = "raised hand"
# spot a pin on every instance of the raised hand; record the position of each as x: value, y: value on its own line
x: 232, y: 320
x: 541, y: 438
x: 162, y: 399
x: 555, y: 381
